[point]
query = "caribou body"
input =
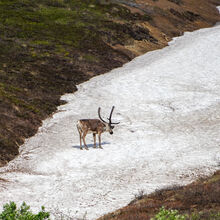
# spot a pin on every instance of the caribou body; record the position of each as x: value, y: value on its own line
x: 94, y: 126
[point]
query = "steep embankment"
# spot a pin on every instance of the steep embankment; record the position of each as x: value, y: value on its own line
x: 47, y: 47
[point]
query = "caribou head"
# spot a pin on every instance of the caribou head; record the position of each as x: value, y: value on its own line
x: 109, y: 124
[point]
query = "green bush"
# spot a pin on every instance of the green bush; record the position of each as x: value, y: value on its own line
x: 11, y: 212
x: 165, y: 214
x: 170, y: 214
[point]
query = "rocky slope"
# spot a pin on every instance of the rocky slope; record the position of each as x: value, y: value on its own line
x: 47, y: 47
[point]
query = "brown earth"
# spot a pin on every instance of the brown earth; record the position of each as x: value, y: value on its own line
x: 200, y: 200
x: 34, y: 75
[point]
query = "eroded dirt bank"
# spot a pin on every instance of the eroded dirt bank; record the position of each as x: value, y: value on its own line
x: 48, y: 47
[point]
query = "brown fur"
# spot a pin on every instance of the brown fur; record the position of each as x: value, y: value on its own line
x: 94, y: 126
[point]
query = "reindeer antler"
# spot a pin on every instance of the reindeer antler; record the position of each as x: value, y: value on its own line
x: 110, y: 117
x: 99, y: 110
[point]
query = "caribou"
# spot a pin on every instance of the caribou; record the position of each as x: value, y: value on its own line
x: 95, y: 126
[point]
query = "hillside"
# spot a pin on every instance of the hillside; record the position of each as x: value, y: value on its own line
x: 200, y: 200
x: 168, y: 100
x: 48, y: 47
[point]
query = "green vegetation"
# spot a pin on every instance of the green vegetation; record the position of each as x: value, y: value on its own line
x: 11, y: 212
x: 165, y: 214
x: 52, y: 21
x: 170, y: 214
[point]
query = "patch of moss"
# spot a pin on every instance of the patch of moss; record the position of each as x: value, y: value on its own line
x: 214, y: 178
x: 90, y: 58
x: 9, y: 93
x: 69, y: 22
x: 40, y: 42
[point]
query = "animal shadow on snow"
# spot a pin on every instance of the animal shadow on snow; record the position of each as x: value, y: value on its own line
x: 90, y: 146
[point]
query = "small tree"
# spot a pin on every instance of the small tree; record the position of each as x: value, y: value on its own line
x: 11, y: 212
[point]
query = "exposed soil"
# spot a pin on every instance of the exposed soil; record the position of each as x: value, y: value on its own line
x: 200, y: 200
x: 45, y: 51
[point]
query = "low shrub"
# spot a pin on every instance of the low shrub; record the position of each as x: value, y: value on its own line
x: 165, y: 214
x: 11, y: 212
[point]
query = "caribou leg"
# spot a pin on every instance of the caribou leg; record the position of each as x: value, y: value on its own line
x: 80, y: 140
x: 100, y: 141
x: 80, y: 137
x: 84, y: 141
x: 94, y: 138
